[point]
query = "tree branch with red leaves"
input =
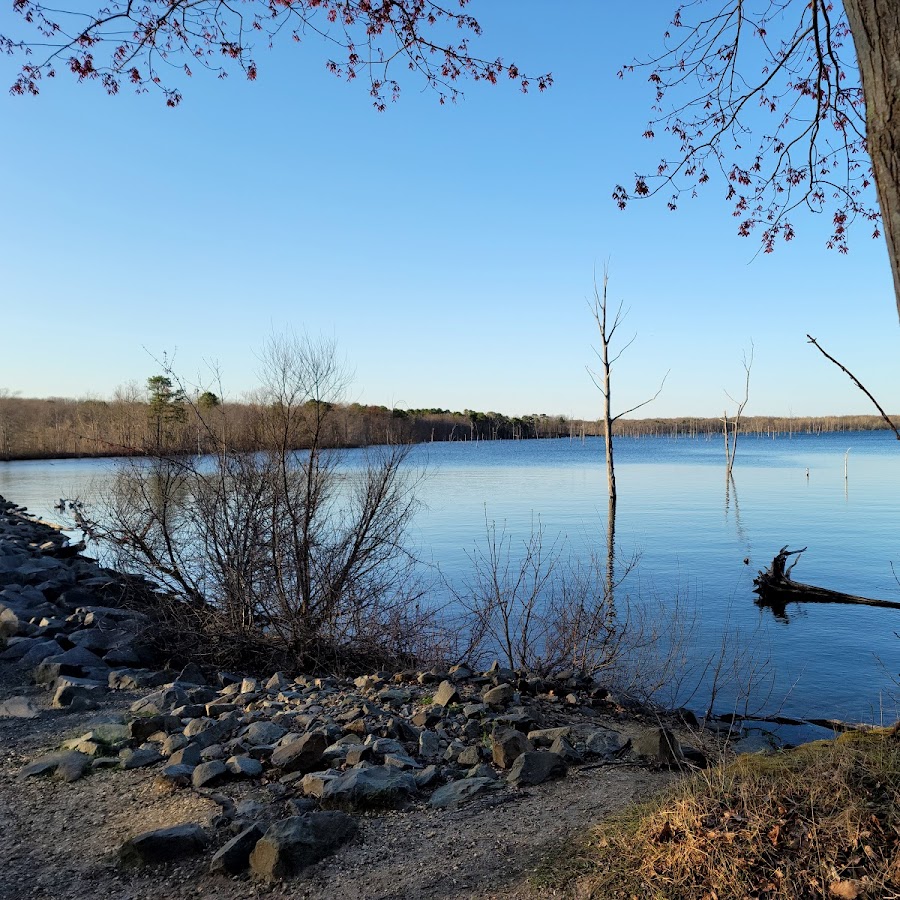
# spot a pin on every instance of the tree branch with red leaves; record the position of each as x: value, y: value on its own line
x: 158, y: 43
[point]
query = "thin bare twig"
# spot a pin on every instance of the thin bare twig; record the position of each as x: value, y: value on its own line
x: 857, y: 382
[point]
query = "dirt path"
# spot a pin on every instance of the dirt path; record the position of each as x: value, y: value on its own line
x: 59, y: 839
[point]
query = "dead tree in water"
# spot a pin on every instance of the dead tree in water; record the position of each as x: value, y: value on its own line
x: 776, y: 588
x: 732, y: 436
x: 606, y: 327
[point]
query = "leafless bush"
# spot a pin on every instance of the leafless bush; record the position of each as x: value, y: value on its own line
x: 281, y: 548
x: 539, y: 606
x: 544, y: 608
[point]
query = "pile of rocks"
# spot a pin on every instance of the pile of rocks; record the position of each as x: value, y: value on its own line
x: 291, y: 762
x: 60, y: 615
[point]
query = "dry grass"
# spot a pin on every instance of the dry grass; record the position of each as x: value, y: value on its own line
x: 819, y: 821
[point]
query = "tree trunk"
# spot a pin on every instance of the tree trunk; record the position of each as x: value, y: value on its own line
x: 875, y: 25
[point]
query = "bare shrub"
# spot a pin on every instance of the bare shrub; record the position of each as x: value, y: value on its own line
x: 542, y: 607
x: 288, y: 548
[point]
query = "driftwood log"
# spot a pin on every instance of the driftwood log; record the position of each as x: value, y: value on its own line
x: 775, y: 587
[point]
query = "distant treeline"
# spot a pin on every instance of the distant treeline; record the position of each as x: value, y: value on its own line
x: 132, y: 424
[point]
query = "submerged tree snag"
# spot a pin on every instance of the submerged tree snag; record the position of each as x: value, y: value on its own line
x: 776, y: 588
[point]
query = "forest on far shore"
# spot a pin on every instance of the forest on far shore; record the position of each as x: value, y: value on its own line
x: 143, y: 422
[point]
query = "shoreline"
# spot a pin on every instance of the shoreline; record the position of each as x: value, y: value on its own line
x: 416, y: 784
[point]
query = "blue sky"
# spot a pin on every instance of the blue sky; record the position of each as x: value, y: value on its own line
x: 448, y: 250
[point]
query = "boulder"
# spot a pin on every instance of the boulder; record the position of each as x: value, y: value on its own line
x: 261, y: 733
x: 244, y: 767
x: 18, y: 708
x: 535, y: 767
x: 163, y: 845
x: 429, y: 745
x: 77, y: 696
x: 180, y: 774
x: 76, y: 661
x: 499, y: 696
x: 564, y: 749
x: 292, y: 844
x: 506, y: 745
x: 234, y: 856
x: 471, y: 756
x: 458, y: 792
x: 186, y: 756
x: 69, y: 765
x: 209, y: 773
x: 141, y: 758
x: 658, y: 745
x: 446, y: 694
x: 605, y: 742
x: 376, y: 786
x: 303, y: 755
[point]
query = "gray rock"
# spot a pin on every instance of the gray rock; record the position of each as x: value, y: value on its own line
x: 544, y: 737
x: 377, y: 786
x: 209, y: 773
x: 188, y: 756
x: 234, y: 857
x: 535, y: 767
x: 213, y: 751
x: 139, y: 759
x: 140, y: 729
x: 446, y: 694
x: 458, y: 792
x: 244, y: 767
x: 190, y: 711
x: 18, y: 708
x: 471, y: 756
x: 482, y: 770
x: 9, y: 623
x: 427, y: 777
x: 261, y: 733
x: 179, y: 774
x: 292, y: 844
x: 39, y: 651
x: 303, y: 755
x: 605, y: 742
x: 163, y: 845
x: 564, y: 749
x: 658, y: 745
x: 474, y: 710
x: 69, y: 765
x: 121, y: 656
x: 401, y: 761
x: 314, y: 784
x: 506, y: 745
x: 499, y: 696
x: 77, y: 696
x: 429, y: 745
x: 173, y: 743
x: 76, y: 661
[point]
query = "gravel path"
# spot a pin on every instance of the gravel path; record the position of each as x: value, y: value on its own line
x: 59, y: 839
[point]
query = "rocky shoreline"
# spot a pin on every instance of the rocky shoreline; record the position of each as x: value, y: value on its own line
x: 290, y: 769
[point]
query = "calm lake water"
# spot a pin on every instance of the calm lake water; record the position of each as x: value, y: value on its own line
x: 691, y: 532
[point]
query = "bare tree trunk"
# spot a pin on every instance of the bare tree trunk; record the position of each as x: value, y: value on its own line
x: 602, y: 379
x: 611, y: 548
x: 607, y: 412
x: 731, y: 449
x: 875, y: 25
x: 727, y: 444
